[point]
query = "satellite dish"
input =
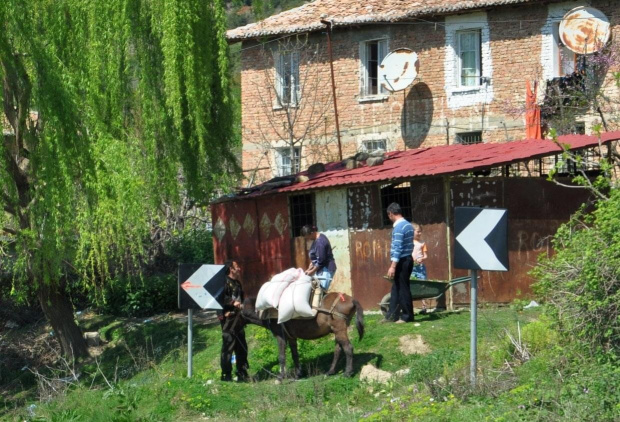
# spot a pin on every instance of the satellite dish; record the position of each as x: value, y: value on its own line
x: 584, y: 30
x: 398, y: 69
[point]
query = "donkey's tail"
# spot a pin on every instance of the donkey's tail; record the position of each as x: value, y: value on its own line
x: 359, y: 318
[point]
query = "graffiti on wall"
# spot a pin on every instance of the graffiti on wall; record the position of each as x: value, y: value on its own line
x: 534, y: 242
x: 376, y: 249
x: 427, y: 201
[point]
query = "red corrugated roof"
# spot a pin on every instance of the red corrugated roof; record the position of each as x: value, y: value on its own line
x: 443, y: 160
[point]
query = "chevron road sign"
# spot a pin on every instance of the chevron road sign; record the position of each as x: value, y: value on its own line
x: 481, y: 244
x: 481, y: 239
x: 200, y: 286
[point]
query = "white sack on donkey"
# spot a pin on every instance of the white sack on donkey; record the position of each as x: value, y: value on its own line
x: 295, y: 300
x: 270, y: 292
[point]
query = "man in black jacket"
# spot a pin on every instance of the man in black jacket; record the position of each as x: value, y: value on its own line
x: 233, y: 334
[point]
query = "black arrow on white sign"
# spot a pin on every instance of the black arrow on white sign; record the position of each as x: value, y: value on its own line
x: 201, y: 286
x: 481, y: 238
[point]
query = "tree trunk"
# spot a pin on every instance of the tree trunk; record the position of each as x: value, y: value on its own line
x: 59, y: 312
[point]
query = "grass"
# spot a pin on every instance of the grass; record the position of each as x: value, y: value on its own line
x: 145, y: 376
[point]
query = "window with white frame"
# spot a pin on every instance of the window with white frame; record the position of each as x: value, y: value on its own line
x: 372, y: 54
x: 287, y: 78
x: 469, y: 63
x: 286, y: 165
x: 374, y: 145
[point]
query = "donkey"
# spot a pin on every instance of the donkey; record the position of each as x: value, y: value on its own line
x: 334, y: 316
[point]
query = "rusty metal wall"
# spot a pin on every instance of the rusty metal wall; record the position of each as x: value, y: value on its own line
x: 370, y: 241
x: 331, y: 220
x: 474, y: 192
x: 256, y: 233
x: 235, y: 236
x: 364, y: 208
x: 370, y: 256
x: 428, y: 201
x: 536, y: 208
x: 369, y: 245
x: 274, y: 237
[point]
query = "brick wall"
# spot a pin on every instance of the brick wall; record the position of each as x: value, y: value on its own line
x: 515, y: 48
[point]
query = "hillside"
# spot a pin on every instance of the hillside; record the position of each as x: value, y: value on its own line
x: 140, y: 375
x: 242, y: 12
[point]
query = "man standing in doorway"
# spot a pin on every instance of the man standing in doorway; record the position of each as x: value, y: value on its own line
x: 401, y: 306
x: 233, y: 334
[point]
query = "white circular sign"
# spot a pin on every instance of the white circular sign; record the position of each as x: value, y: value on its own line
x: 584, y: 30
x: 398, y: 69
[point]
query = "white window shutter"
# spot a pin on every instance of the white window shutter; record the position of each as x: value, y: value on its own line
x: 479, y: 57
x: 457, y: 55
x: 278, y: 59
x: 383, y: 51
x: 295, y: 85
x: 363, y: 70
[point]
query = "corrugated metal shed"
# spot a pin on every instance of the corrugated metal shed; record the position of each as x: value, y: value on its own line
x: 443, y: 160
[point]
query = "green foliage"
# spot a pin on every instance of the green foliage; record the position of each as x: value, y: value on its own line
x: 539, y: 336
x: 156, y: 290
x: 536, y: 337
x: 139, y: 296
x: 581, y: 281
x: 192, y: 245
x: 129, y: 95
x: 146, y: 365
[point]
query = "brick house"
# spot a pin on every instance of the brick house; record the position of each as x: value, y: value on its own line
x: 474, y: 60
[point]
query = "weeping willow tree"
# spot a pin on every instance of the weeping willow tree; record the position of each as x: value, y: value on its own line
x: 107, y: 105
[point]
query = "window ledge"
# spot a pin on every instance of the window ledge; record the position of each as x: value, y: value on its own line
x: 372, y: 98
x: 278, y: 107
x: 463, y: 90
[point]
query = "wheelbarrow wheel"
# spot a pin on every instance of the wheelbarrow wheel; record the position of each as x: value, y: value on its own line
x: 385, y: 304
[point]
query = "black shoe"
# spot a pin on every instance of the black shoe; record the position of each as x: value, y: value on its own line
x: 243, y: 377
x: 227, y: 377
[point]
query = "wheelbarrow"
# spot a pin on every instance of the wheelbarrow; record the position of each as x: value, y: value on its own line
x: 423, y: 289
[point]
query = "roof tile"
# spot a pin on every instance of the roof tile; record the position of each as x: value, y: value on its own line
x: 342, y: 13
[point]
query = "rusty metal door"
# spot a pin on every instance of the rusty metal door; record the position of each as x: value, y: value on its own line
x: 369, y: 245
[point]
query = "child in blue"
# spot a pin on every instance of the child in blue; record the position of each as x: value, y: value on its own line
x: 419, y: 255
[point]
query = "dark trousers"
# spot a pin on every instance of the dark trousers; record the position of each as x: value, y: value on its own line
x: 233, y: 340
x: 401, y: 305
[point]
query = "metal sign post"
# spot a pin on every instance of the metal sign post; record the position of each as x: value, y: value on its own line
x: 190, y: 339
x: 481, y: 244
x: 200, y: 287
x: 473, y: 325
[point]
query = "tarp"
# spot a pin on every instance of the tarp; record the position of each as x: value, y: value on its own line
x: 532, y: 113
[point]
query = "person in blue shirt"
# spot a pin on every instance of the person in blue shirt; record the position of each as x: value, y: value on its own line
x: 322, y: 262
x: 401, y: 305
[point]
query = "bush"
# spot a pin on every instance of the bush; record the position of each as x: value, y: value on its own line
x: 581, y: 282
x: 135, y: 296
x: 192, y: 245
x: 539, y: 336
x: 156, y: 290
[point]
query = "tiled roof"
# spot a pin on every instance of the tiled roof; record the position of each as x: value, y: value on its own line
x: 441, y: 160
x: 342, y: 13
